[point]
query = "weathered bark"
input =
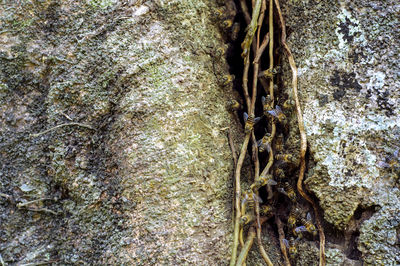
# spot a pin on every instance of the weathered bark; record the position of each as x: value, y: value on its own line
x: 151, y: 182
x: 347, y: 54
x: 145, y: 177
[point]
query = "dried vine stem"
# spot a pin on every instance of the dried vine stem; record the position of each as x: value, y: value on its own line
x: 246, y: 248
x: 232, y: 146
x: 235, y: 159
x: 261, y: 49
x: 303, y: 137
x: 271, y: 49
x: 23, y: 204
x: 281, y: 237
x: 238, y: 232
x: 251, y: 29
x: 260, y: 22
x: 271, y: 154
x: 271, y: 90
x: 248, y: 19
x: 256, y: 176
x: 245, y: 80
x: 251, y: 235
x: 264, y: 44
x: 237, y: 199
x: 62, y: 125
x: 257, y: 205
x: 246, y: 54
x: 241, y: 237
x: 42, y: 210
x: 245, y: 11
x: 258, y: 53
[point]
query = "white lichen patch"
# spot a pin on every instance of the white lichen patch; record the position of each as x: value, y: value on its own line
x: 348, y: 84
x: 378, y: 235
x: 338, y: 135
x: 376, y: 80
x: 141, y: 10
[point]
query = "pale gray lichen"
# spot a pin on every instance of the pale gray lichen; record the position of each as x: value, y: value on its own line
x: 348, y: 81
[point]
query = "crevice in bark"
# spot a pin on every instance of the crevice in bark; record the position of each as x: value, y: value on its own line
x: 281, y: 197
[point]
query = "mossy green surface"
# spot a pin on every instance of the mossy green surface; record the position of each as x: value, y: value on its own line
x: 151, y: 183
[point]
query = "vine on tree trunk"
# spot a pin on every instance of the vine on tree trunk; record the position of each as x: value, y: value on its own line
x: 282, y: 167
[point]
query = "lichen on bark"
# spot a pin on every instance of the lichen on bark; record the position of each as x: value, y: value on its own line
x: 346, y: 53
x: 151, y: 183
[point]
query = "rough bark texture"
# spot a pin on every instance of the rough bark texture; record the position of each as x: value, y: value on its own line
x: 348, y: 53
x: 152, y: 181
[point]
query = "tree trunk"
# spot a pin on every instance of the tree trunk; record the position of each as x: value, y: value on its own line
x: 138, y: 169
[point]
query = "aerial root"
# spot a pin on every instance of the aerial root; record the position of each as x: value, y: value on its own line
x: 281, y: 238
x: 303, y: 137
x: 255, y: 22
x: 237, y: 199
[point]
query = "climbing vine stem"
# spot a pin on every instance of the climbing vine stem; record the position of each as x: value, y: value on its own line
x: 247, y: 203
x: 303, y: 138
x: 281, y: 234
x: 237, y: 199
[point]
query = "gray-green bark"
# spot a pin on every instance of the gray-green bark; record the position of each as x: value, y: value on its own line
x: 152, y: 182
